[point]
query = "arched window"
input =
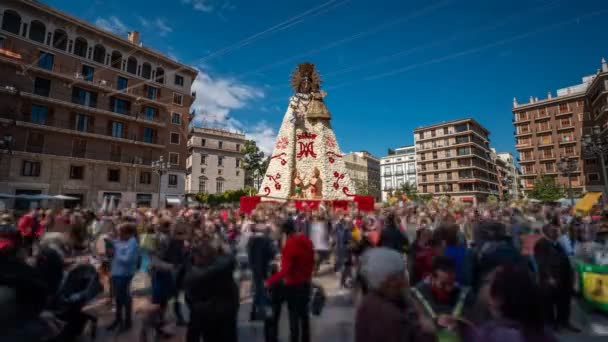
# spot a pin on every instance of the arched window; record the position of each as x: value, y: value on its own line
x: 37, y: 31
x: 99, y: 54
x: 146, y: 70
x: 11, y: 22
x: 60, y: 39
x: 160, y: 75
x: 116, y: 60
x: 132, y: 65
x: 80, y: 47
x: 202, y: 184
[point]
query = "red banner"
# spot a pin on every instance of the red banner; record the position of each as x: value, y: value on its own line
x: 248, y: 203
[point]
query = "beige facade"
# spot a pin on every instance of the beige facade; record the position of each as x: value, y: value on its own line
x: 88, y: 110
x: 453, y: 158
x: 214, y: 161
x: 364, y: 170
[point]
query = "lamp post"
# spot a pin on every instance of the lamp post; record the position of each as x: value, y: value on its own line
x: 596, y: 146
x: 567, y: 166
x: 160, y: 167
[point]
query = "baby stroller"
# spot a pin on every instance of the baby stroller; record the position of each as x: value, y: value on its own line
x: 80, y: 285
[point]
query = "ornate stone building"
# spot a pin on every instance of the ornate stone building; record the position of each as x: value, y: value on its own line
x: 364, y: 170
x: 88, y: 111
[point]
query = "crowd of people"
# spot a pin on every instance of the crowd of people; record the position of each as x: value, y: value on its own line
x: 418, y: 271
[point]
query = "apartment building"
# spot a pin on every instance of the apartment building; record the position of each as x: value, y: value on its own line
x: 508, y: 174
x: 214, y: 161
x: 398, y: 168
x: 453, y: 158
x: 549, y: 129
x: 364, y: 169
x: 88, y: 111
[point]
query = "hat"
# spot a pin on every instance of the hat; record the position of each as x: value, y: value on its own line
x: 380, y: 263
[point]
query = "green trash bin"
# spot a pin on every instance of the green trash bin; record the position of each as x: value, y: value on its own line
x: 593, y: 282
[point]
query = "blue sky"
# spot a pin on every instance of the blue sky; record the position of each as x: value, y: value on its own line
x: 388, y: 66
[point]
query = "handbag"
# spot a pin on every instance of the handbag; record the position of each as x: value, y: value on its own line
x: 317, y: 300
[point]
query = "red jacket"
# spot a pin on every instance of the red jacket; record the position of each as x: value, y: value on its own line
x: 297, y: 261
x: 28, y: 226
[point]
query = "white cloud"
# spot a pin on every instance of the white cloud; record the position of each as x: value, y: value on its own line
x: 209, y: 6
x: 159, y: 25
x: 216, y: 97
x: 112, y: 24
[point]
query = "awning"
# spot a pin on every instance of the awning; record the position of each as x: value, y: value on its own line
x: 173, y: 200
x: 588, y: 201
x: 467, y: 199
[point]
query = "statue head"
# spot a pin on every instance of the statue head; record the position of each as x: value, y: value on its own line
x: 305, y: 79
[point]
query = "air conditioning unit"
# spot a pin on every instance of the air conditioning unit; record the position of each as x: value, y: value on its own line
x: 78, y: 76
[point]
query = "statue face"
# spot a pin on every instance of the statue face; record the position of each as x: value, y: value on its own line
x: 305, y: 85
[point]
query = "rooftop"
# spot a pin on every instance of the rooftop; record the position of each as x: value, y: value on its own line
x: 452, y: 122
x: 564, y: 93
x: 217, y: 131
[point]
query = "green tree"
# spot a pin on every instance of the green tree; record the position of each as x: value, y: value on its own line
x: 253, y: 162
x: 361, y: 187
x: 546, y: 189
x: 408, y: 189
x: 390, y: 152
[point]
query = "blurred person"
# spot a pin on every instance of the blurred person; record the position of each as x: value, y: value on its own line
x: 556, y: 278
x: 124, y: 262
x: 391, y: 236
x: 30, y: 228
x: 297, y: 264
x: 386, y: 313
x: 212, y: 295
x: 516, y: 305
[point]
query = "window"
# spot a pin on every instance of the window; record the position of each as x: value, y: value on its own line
x: 160, y: 75
x: 238, y: 173
x: 116, y: 60
x: 175, y: 138
x: 115, y: 152
x: 220, y: 161
x: 203, y: 159
x: 563, y: 107
x: 132, y: 65
x: 179, y: 80
x: 462, y: 139
x: 448, y: 165
x: 46, y: 60
x: 118, y: 129
x: 203, y: 170
x: 60, y: 40
x: 76, y: 172
x: 173, y: 158
x: 37, y: 31
x: 149, y: 135
x: 461, y: 127
x: 463, y: 151
x: 149, y: 113
x: 146, y: 70
x: 99, y: 54
x: 145, y: 177
x: 203, y: 142
x: 42, y: 86
x: 35, y: 142
x: 88, y: 72
x: 238, y: 147
x: 220, y: 144
x: 30, y: 169
x: 82, y: 123
x: 238, y: 162
x: 113, y: 175
x: 120, y: 106
x: 172, y: 181
x: 80, y: 47
x: 219, y: 186
x: 202, y: 184
x: 594, y: 177
x: 178, y: 99
x: 11, y: 22
x: 569, y: 150
x: 176, y: 118
x: 445, y: 130
x: 122, y: 83
x: 84, y: 97
x: 437, y: 188
x: 39, y: 114
x: 151, y: 93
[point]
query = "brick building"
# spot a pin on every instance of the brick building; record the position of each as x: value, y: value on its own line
x: 214, y: 161
x: 552, y: 128
x: 453, y: 158
x: 88, y: 110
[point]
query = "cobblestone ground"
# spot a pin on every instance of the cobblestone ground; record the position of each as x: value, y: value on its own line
x: 335, y: 324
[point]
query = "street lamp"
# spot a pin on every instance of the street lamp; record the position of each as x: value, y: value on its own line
x: 595, y: 145
x: 160, y: 167
x: 7, y: 143
x: 567, y: 166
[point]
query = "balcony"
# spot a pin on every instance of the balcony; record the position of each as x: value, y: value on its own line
x: 567, y: 140
x: 565, y: 126
x: 87, y: 130
x: 399, y: 173
x: 563, y: 113
x: 521, y: 133
x: 544, y: 129
x: 526, y: 161
x: 546, y: 157
x: 387, y: 174
x: 524, y: 145
x: 522, y: 118
x: 106, y: 156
